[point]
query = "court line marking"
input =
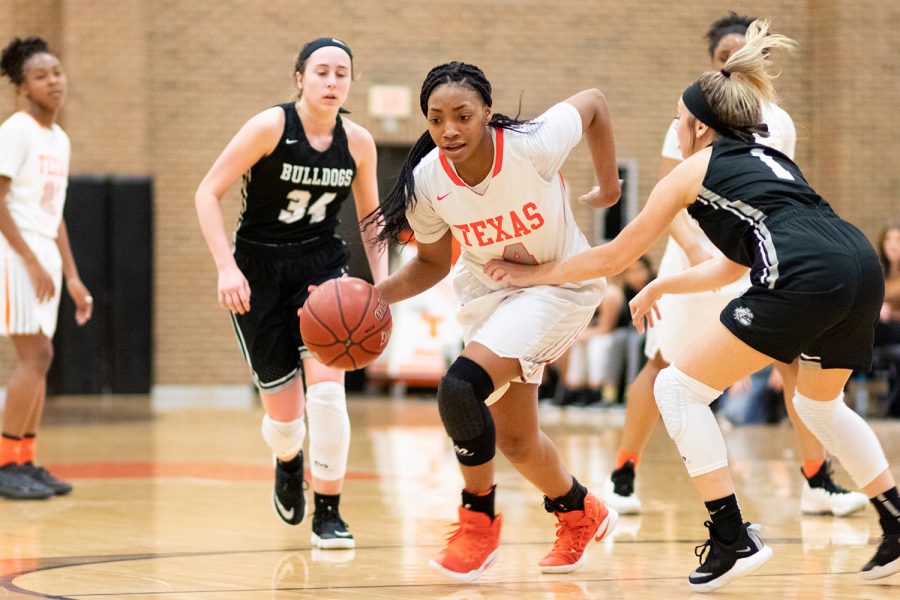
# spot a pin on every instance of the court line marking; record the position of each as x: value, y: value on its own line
x: 6, y: 581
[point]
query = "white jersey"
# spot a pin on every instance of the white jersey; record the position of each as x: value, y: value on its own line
x: 681, y: 312
x: 520, y: 212
x: 36, y: 159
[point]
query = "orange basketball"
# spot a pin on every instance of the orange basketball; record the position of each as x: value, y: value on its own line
x: 345, y: 323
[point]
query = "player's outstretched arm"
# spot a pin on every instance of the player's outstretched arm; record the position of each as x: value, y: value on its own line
x: 708, y: 275
x: 430, y: 265
x: 674, y: 192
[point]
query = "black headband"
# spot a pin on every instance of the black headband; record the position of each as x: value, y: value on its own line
x: 695, y: 101
x: 321, y: 43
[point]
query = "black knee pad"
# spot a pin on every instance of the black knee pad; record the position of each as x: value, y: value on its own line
x: 466, y: 419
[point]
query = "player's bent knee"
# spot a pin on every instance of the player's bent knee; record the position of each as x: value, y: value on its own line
x: 466, y: 419
x: 285, y: 438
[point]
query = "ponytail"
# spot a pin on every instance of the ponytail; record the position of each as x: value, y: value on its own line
x: 736, y: 92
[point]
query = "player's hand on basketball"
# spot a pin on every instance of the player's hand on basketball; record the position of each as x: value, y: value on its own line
x: 643, y: 306
x: 84, y: 302
x: 41, y: 281
x: 234, y: 291
x: 516, y: 274
x: 602, y: 197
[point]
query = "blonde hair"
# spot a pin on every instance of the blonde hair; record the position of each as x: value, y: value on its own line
x: 737, y: 91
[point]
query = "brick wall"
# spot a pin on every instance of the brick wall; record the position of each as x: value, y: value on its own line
x: 160, y: 87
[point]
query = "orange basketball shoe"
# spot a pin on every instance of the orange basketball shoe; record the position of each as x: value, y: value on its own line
x: 471, y: 548
x: 573, y: 533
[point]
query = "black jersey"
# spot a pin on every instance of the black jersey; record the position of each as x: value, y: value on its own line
x: 746, y: 184
x: 294, y: 195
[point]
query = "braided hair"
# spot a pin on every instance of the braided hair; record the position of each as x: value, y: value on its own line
x: 730, y: 23
x: 391, y: 214
x: 16, y: 53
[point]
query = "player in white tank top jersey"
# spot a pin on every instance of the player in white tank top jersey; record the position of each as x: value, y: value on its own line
x: 493, y: 184
x: 34, y: 256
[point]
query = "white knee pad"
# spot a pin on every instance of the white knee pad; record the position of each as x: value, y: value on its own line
x: 846, y: 436
x: 285, y: 438
x: 684, y: 406
x: 329, y: 430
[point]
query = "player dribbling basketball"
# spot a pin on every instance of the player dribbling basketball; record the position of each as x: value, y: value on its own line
x: 493, y: 183
x: 299, y: 162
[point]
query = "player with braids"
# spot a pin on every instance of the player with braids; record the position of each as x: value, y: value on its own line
x: 34, y: 256
x: 686, y: 246
x: 816, y: 292
x: 493, y: 183
x: 299, y: 162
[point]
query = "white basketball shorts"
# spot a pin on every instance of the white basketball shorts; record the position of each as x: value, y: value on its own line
x: 20, y: 311
x: 536, y: 325
x: 683, y: 315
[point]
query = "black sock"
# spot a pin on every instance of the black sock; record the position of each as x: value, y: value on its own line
x: 293, y: 465
x: 326, y: 502
x: 888, y: 507
x: 479, y: 503
x: 726, y: 517
x: 572, y: 500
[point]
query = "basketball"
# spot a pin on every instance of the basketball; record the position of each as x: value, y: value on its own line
x: 345, y: 323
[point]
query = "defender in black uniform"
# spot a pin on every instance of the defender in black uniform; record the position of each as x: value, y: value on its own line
x: 299, y: 162
x: 816, y: 292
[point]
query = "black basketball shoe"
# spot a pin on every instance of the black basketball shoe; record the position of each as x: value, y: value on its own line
x: 726, y: 562
x: 886, y: 560
x: 329, y: 531
x: 16, y: 485
x: 290, y: 490
x: 619, y: 490
x: 41, y: 475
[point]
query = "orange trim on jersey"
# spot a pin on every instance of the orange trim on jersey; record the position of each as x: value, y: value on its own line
x: 562, y: 180
x: 498, y: 162
x: 41, y: 125
x: 449, y: 170
x: 498, y: 153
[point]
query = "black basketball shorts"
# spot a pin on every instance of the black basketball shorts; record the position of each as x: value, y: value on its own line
x: 826, y: 298
x: 279, y: 275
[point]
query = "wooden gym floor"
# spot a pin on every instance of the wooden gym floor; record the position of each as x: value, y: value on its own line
x: 177, y: 506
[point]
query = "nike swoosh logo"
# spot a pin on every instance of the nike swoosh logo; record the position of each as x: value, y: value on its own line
x: 289, y: 142
x: 744, y: 550
x: 287, y: 514
x: 343, y: 533
x: 439, y: 198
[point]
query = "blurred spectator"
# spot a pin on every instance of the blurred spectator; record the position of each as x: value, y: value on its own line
x: 609, y: 352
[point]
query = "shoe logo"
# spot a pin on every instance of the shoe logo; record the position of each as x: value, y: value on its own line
x: 463, y: 451
x: 439, y: 198
x: 343, y: 534
x: 287, y: 514
x: 713, y: 513
x: 743, y: 315
x: 289, y: 142
x: 699, y: 574
x: 744, y: 550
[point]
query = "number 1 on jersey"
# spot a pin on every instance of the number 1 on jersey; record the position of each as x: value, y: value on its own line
x: 780, y: 172
x: 518, y: 253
